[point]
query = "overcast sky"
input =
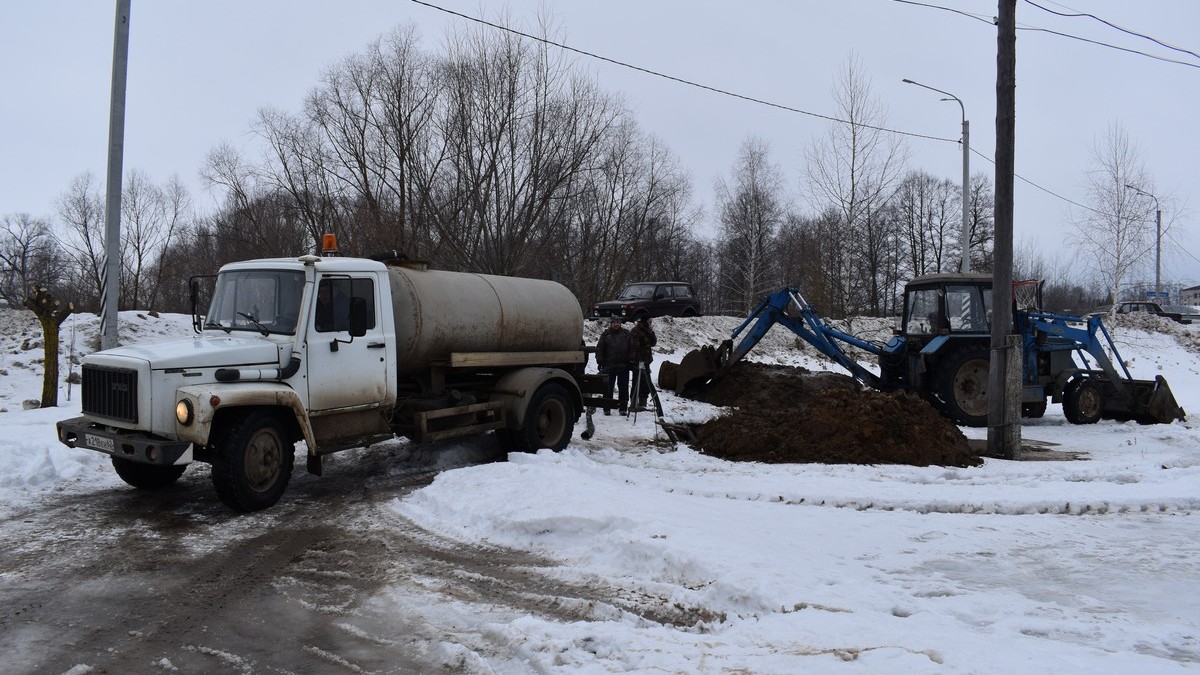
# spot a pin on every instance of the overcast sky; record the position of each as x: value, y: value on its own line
x: 199, y: 71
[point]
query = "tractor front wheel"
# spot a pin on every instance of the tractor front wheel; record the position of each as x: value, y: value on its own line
x: 1083, y: 401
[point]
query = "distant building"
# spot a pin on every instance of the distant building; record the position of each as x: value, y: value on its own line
x: 1190, y: 296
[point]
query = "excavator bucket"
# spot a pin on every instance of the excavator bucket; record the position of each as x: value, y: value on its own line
x: 697, y: 368
x: 1162, y: 406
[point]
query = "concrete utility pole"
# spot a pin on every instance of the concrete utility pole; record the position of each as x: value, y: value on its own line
x: 1004, y: 375
x: 966, y: 183
x: 1157, y: 241
x: 111, y: 286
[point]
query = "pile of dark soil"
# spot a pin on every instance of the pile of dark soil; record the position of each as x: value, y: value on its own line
x: 790, y: 415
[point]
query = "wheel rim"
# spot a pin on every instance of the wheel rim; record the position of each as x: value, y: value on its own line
x: 264, y: 457
x: 1088, y: 400
x: 970, y: 387
x: 551, y: 422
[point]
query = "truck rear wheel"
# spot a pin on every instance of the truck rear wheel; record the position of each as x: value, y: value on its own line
x: 253, y: 464
x: 1083, y: 401
x: 962, y: 385
x: 549, y: 422
x: 147, y: 476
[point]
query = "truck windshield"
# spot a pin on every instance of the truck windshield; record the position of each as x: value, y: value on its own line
x: 263, y: 301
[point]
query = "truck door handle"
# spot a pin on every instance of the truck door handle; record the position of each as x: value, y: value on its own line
x: 375, y: 345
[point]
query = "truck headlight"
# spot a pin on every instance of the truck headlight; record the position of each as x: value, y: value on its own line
x: 184, y: 412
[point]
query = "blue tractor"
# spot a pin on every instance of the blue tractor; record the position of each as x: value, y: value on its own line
x: 941, y: 351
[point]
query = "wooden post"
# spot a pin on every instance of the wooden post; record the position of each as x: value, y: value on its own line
x: 1004, y: 436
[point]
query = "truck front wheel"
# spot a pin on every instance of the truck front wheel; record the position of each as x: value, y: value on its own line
x: 549, y: 422
x: 253, y: 464
x: 147, y: 476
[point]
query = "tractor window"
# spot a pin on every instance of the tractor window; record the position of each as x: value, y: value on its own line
x: 966, y: 309
x: 924, y: 316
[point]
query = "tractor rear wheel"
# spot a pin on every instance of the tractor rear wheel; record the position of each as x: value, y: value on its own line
x: 962, y: 385
x: 1083, y: 401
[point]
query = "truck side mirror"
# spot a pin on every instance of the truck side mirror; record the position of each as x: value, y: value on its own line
x: 194, y: 296
x: 358, y: 317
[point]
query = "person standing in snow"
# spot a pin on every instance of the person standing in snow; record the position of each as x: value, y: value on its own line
x: 643, y: 338
x: 614, y: 356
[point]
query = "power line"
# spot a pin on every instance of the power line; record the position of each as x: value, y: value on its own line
x: 977, y: 17
x: 1036, y: 29
x: 750, y: 98
x: 1039, y: 187
x: 1105, y: 44
x: 1078, y: 14
x: 680, y: 80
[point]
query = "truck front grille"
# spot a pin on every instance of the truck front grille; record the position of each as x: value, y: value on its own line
x: 110, y: 392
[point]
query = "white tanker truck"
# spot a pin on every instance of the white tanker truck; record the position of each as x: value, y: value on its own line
x: 337, y: 352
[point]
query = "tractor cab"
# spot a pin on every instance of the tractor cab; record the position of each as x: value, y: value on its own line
x: 946, y: 304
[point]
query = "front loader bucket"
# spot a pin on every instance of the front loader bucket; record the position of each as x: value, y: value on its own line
x: 1147, y: 401
x: 1162, y: 407
x: 697, y: 368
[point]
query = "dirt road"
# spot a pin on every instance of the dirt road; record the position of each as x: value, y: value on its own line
x: 328, y: 580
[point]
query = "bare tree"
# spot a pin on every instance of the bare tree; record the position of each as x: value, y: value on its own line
x: 854, y: 169
x: 520, y: 128
x: 802, y: 247
x: 257, y: 219
x: 30, y: 257
x: 81, y: 209
x: 1113, y: 234
x: 923, y: 207
x: 752, y: 206
x: 151, y: 218
x: 982, y: 221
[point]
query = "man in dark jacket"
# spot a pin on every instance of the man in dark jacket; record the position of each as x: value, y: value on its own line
x: 614, y: 356
x: 643, y: 339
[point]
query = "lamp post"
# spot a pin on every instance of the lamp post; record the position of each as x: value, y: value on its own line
x: 966, y: 179
x: 1157, y: 240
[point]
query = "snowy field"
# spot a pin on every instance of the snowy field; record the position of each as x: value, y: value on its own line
x: 1088, y: 566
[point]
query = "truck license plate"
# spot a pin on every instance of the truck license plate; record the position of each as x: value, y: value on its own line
x: 98, y: 442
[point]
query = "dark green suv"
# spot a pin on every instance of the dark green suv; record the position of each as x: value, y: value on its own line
x: 650, y: 299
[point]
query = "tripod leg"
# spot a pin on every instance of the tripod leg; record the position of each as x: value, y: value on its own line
x: 633, y: 395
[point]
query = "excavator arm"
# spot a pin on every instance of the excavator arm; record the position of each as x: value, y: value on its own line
x: 789, y: 309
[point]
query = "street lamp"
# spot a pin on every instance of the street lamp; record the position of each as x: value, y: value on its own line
x: 966, y: 180
x: 1157, y: 240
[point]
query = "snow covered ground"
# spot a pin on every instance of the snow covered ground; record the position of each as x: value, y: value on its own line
x: 1032, y: 566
